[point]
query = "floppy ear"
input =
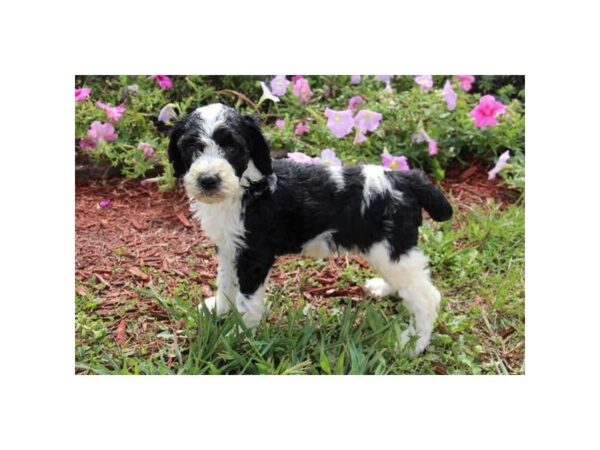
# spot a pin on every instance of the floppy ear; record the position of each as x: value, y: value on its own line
x: 174, y: 153
x: 259, y: 149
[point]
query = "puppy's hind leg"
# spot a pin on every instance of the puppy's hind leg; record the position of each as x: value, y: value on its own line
x: 409, y: 275
x: 227, y: 287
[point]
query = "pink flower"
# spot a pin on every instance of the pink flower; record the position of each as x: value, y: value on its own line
x: 97, y: 132
x: 112, y: 112
x: 167, y: 113
x: 104, y: 203
x: 146, y: 148
x: 394, y: 162
x: 301, y: 129
x: 465, y: 81
x: 485, y: 113
x: 328, y: 158
x: 280, y: 123
x: 301, y: 158
x: 449, y: 95
x: 359, y: 137
x: 367, y: 120
x: 279, y: 85
x: 384, y: 78
x: 504, y: 157
x: 339, y: 122
x: 355, y: 79
x: 354, y: 102
x: 432, y: 146
x: 82, y: 94
x: 425, y: 82
x: 302, y: 89
x: 163, y: 81
x: 296, y: 78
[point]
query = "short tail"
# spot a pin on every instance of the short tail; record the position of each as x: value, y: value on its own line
x: 429, y: 196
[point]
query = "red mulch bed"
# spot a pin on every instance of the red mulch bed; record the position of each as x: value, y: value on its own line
x: 144, y: 234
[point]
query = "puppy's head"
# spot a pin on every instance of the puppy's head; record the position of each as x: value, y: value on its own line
x: 218, y: 151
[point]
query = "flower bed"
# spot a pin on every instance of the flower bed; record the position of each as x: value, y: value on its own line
x: 402, y: 122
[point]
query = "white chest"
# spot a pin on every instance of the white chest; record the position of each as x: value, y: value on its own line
x: 222, y: 223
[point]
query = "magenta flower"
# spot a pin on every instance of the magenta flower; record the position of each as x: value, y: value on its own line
x: 301, y: 158
x: 301, y: 129
x: 449, y: 95
x: 354, y: 102
x: 504, y: 157
x: 425, y: 82
x: 82, y: 94
x: 97, y: 132
x: 339, y: 122
x: 112, y: 112
x: 280, y: 123
x: 384, y: 78
x: 302, y: 89
x: 167, y: 113
x: 465, y: 81
x: 146, y: 149
x: 279, y: 85
x: 485, y: 113
x: 296, y: 78
x: 328, y: 158
x: 163, y: 81
x: 104, y: 203
x: 394, y: 162
x: 355, y: 79
x: 367, y: 120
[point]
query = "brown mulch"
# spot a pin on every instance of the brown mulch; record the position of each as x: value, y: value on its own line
x: 146, y: 239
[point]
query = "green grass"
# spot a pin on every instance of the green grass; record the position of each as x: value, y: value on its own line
x: 477, y: 263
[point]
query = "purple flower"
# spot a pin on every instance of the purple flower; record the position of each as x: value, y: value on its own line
x: 432, y: 146
x: 279, y: 85
x: 280, y: 123
x: 425, y: 82
x: 163, y: 81
x: 82, y: 94
x: 360, y: 137
x: 267, y: 94
x: 167, y: 113
x: 104, y: 203
x: 328, y: 158
x: 449, y: 95
x: 367, y: 120
x: 504, y: 157
x: 300, y: 158
x: 146, y: 148
x: 301, y: 129
x: 394, y: 162
x: 302, y: 89
x: 339, y: 122
x: 354, y: 102
x: 355, y: 79
x: 112, y: 112
x: 384, y: 78
x: 97, y: 132
x: 422, y: 136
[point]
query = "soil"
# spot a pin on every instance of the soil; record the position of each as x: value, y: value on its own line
x: 144, y: 236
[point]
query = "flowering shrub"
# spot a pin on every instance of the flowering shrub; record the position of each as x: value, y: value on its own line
x: 419, y: 121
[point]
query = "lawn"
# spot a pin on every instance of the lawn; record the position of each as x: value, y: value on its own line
x: 136, y: 311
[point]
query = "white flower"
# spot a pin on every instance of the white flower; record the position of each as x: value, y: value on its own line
x: 499, y: 165
x: 267, y: 95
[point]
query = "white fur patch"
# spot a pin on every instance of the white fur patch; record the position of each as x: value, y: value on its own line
x: 376, y: 183
x: 319, y: 246
x: 251, y: 174
x: 212, y: 117
x: 211, y: 164
x: 337, y: 175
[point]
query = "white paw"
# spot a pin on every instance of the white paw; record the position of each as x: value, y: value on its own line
x: 210, y: 303
x: 419, y: 345
x: 378, y: 287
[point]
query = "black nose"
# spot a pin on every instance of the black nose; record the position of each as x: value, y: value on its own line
x: 209, y: 182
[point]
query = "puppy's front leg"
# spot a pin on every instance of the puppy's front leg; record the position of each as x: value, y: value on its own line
x: 253, y: 272
x: 227, y: 286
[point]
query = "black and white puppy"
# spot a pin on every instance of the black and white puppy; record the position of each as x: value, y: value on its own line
x: 255, y: 208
